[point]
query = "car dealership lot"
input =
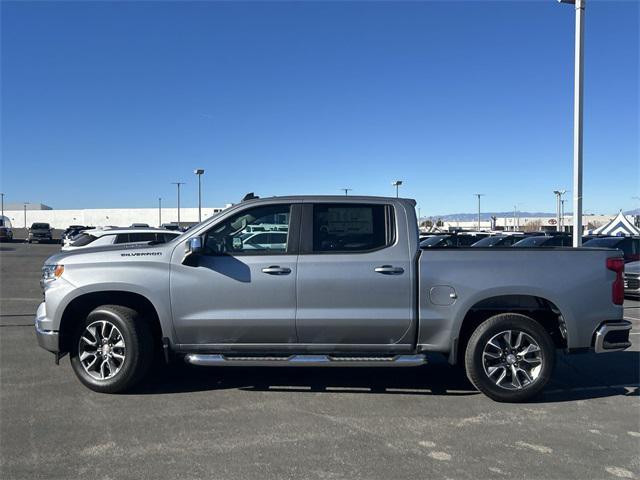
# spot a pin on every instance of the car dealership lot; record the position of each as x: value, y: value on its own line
x: 303, y: 422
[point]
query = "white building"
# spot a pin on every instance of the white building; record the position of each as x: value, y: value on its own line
x: 122, y: 217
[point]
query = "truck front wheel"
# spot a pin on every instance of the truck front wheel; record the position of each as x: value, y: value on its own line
x: 111, y: 349
x: 510, y: 357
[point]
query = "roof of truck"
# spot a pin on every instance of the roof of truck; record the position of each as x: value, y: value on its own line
x: 333, y: 198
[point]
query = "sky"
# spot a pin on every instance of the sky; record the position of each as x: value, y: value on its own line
x: 104, y: 104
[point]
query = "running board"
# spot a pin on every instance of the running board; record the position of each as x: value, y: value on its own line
x: 215, y: 360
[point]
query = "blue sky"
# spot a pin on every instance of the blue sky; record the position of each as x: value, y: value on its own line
x: 105, y: 103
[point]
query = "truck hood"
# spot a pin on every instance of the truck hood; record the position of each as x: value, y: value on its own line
x: 89, y: 254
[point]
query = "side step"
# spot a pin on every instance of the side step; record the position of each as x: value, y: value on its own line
x: 219, y: 360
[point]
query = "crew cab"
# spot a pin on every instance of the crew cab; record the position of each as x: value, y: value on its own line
x: 349, y: 286
x: 39, y: 232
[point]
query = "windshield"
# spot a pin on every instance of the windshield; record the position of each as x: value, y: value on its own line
x: 532, y: 242
x: 490, y: 241
x: 82, y: 240
x: 603, y: 242
x: 432, y: 241
x: 183, y: 235
x: 40, y: 226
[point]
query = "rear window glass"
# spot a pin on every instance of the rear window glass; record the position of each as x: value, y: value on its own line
x: 604, y: 242
x: 82, y: 240
x: 350, y: 227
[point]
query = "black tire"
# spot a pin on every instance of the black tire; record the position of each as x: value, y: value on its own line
x: 475, y: 366
x: 139, y: 352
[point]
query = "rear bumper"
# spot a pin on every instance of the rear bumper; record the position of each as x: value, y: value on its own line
x: 612, y: 337
x: 47, y: 339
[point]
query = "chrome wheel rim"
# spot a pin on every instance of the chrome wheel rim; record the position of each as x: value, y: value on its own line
x: 102, y: 350
x: 512, y: 360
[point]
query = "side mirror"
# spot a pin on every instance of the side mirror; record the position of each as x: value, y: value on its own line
x: 192, y: 248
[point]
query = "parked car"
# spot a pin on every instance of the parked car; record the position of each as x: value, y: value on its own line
x: 630, y: 246
x: 170, y: 226
x: 498, y: 241
x: 71, y: 232
x: 119, y: 236
x: 632, y: 279
x: 452, y: 241
x: 6, y: 234
x: 545, y: 241
x: 39, y: 232
x: 349, y: 287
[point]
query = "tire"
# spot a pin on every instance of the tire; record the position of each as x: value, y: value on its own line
x: 131, y: 339
x: 488, y: 356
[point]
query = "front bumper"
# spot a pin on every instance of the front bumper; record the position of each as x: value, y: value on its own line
x: 612, y: 337
x: 47, y: 339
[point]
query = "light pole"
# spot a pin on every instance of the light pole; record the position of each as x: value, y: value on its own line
x: 159, y: 211
x: 2, y: 196
x: 25, y: 214
x: 346, y: 191
x: 479, y: 195
x: 559, y: 194
x: 577, y: 120
x: 562, y: 200
x: 397, y: 184
x: 516, y: 220
x: 178, y: 185
x: 199, y: 172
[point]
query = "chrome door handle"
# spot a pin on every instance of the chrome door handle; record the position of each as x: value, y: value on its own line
x: 389, y: 270
x: 276, y: 270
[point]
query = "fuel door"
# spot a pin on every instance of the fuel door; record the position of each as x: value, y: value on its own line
x: 442, y: 295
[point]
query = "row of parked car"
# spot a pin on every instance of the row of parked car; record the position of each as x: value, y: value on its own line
x: 629, y: 245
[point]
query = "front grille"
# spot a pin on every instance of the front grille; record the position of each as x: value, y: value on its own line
x: 631, y: 283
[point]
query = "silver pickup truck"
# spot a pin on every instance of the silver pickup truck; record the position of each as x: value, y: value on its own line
x: 328, y: 281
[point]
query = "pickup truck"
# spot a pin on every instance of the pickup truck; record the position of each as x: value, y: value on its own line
x: 39, y: 232
x: 349, y: 287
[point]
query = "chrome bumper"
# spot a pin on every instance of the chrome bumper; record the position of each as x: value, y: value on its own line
x: 612, y: 337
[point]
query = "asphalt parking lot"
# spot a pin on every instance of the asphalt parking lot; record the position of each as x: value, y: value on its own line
x: 276, y: 423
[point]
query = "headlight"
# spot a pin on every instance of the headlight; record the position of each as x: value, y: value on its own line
x: 51, y: 272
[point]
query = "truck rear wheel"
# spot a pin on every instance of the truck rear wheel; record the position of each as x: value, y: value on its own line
x: 112, y: 349
x: 510, y: 358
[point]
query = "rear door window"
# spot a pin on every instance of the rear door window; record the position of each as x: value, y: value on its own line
x: 351, y: 227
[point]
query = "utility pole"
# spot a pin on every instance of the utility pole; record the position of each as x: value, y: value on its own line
x: 178, y: 185
x: 479, y: 195
x: 346, y: 191
x: 397, y: 184
x: 159, y: 211
x: 577, y: 120
x: 199, y: 172
x: 559, y: 194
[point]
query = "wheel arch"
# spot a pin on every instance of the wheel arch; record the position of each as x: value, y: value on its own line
x: 78, y: 308
x: 540, y: 309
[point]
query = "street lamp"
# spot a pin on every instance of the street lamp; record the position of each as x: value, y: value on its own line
x: 577, y: 120
x: 2, y: 196
x: 177, y: 184
x: 479, y: 195
x: 346, y: 191
x: 397, y: 184
x: 559, y: 194
x: 25, y: 214
x: 159, y: 211
x: 199, y: 172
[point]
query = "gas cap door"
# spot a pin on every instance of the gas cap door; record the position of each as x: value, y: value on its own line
x: 442, y: 295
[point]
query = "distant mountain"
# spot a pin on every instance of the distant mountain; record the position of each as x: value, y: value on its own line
x: 486, y: 216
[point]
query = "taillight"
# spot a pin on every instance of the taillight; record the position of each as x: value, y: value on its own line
x: 617, y: 288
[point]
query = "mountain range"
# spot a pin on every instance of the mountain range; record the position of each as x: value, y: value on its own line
x: 486, y: 216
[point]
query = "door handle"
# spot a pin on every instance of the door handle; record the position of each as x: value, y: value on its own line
x: 389, y: 270
x: 276, y: 270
